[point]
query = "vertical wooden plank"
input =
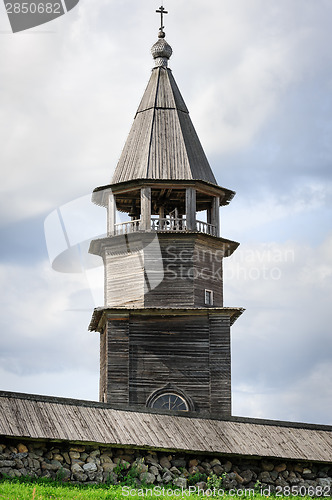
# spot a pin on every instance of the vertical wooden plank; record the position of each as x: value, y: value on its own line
x: 191, y: 209
x: 118, y: 360
x: 111, y: 215
x: 220, y: 365
x: 146, y: 208
x: 215, y: 220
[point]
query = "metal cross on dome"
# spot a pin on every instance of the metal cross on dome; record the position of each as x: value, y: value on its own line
x: 162, y: 11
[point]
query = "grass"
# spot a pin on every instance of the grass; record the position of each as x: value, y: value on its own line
x: 18, y: 489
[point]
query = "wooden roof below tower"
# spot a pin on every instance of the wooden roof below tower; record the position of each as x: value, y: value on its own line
x: 57, y: 419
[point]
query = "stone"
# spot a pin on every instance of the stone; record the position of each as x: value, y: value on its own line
x: 229, y: 482
x: 104, y: 459
x: 298, y: 468
x: 281, y: 482
x: 238, y: 478
x: 110, y: 477
x: 247, y: 476
x: 280, y: 468
x: 108, y: 466
x: 179, y: 462
x: 193, y: 463
x: 75, y: 468
x: 66, y: 456
x: 165, y: 463
x: 267, y: 466
x: 74, y: 454
x: 21, y: 448
x: 293, y: 480
x: 7, y: 463
x: 19, y: 463
x: 49, y: 467
x: 95, y: 454
x: 215, y: 462
x: 324, y: 482
x: 306, y: 471
x: 154, y: 470
x: 180, y: 482
x: 218, y: 470
x: 227, y: 466
x: 264, y: 477
x: 147, y: 478
x: 58, y: 457
x: 78, y: 449
x: 57, y: 464
x: 152, y: 460
x: 5, y: 470
x: 140, y: 467
x: 90, y: 467
x: 80, y: 477
x: 106, y: 451
x: 2, y: 447
x: 175, y: 471
x: 193, y: 470
x: 167, y: 477
x: 64, y: 475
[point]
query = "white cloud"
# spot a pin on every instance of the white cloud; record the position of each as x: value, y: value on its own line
x: 45, y: 322
x: 282, y: 344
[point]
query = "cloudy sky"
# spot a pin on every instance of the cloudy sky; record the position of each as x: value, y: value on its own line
x: 257, y: 78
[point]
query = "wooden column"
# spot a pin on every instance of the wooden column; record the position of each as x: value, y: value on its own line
x: 146, y: 209
x: 111, y: 215
x: 215, y: 220
x: 191, y: 209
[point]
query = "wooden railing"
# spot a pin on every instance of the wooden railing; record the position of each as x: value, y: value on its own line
x: 127, y: 227
x: 164, y: 225
x: 172, y: 224
x: 204, y: 227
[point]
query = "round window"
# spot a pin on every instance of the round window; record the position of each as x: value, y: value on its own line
x: 169, y: 401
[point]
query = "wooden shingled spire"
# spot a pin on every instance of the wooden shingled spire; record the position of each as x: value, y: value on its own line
x: 163, y: 143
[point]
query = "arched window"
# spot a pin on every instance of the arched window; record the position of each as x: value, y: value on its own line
x: 171, y: 399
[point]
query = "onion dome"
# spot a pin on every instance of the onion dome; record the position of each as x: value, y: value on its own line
x: 161, y: 51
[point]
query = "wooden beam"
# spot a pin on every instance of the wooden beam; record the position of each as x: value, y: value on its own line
x: 215, y: 210
x: 191, y: 209
x: 146, y: 208
x: 111, y: 215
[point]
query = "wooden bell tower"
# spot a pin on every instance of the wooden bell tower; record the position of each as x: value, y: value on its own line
x: 164, y: 333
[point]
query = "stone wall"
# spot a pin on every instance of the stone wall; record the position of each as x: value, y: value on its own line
x: 96, y: 464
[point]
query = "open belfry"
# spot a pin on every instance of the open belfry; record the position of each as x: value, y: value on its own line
x: 164, y: 333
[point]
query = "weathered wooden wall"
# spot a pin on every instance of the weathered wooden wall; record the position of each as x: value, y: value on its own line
x: 173, y: 270
x: 145, y: 351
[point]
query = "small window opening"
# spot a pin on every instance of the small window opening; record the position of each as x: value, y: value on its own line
x: 208, y: 297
